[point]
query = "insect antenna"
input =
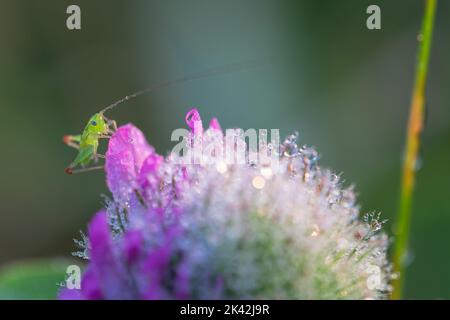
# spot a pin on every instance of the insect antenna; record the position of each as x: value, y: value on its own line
x: 229, y: 68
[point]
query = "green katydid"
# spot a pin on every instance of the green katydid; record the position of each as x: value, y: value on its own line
x: 97, y: 127
x: 100, y: 127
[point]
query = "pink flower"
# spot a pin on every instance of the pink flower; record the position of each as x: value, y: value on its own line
x: 178, y: 229
x: 127, y: 151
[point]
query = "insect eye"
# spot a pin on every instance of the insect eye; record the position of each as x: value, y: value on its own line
x: 94, y: 123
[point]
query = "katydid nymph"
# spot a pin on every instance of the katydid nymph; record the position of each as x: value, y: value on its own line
x: 100, y: 127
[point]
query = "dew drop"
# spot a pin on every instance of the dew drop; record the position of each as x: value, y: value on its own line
x: 221, y: 167
x: 289, y: 146
x: 258, y: 182
x: 316, y: 231
x: 408, y: 258
x: 267, y: 172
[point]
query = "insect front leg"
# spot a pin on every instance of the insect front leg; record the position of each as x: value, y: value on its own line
x: 98, y: 156
x: 111, y: 123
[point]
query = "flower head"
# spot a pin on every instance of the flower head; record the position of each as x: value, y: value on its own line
x: 211, y: 229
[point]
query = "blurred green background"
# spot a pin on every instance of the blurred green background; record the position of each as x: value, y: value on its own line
x: 345, y: 88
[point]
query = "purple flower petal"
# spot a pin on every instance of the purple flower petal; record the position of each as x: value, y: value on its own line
x: 149, y: 169
x: 106, y: 270
x: 90, y: 286
x: 70, y: 294
x: 127, y: 150
x: 182, y: 280
x: 155, y: 267
x: 214, y: 124
x: 194, y: 121
x: 132, y: 245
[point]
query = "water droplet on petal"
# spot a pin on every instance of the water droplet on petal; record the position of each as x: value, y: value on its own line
x: 267, y: 172
x: 289, y: 147
x: 258, y: 182
x: 221, y: 167
x: 316, y: 231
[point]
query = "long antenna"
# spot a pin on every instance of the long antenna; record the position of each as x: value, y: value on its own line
x: 229, y: 68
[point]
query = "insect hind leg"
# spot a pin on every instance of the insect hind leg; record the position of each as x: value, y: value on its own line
x: 70, y: 170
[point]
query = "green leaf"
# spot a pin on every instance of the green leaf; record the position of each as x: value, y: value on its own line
x: 32, y: 279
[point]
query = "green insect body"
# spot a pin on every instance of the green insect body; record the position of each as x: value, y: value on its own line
x: 98, y: 127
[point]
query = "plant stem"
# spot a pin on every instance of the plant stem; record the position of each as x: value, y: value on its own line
x: 415, y: 127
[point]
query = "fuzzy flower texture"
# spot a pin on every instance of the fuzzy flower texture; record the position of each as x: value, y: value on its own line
x: 215, y: 230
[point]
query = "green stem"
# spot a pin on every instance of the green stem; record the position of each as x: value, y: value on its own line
x: 415, y: 127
